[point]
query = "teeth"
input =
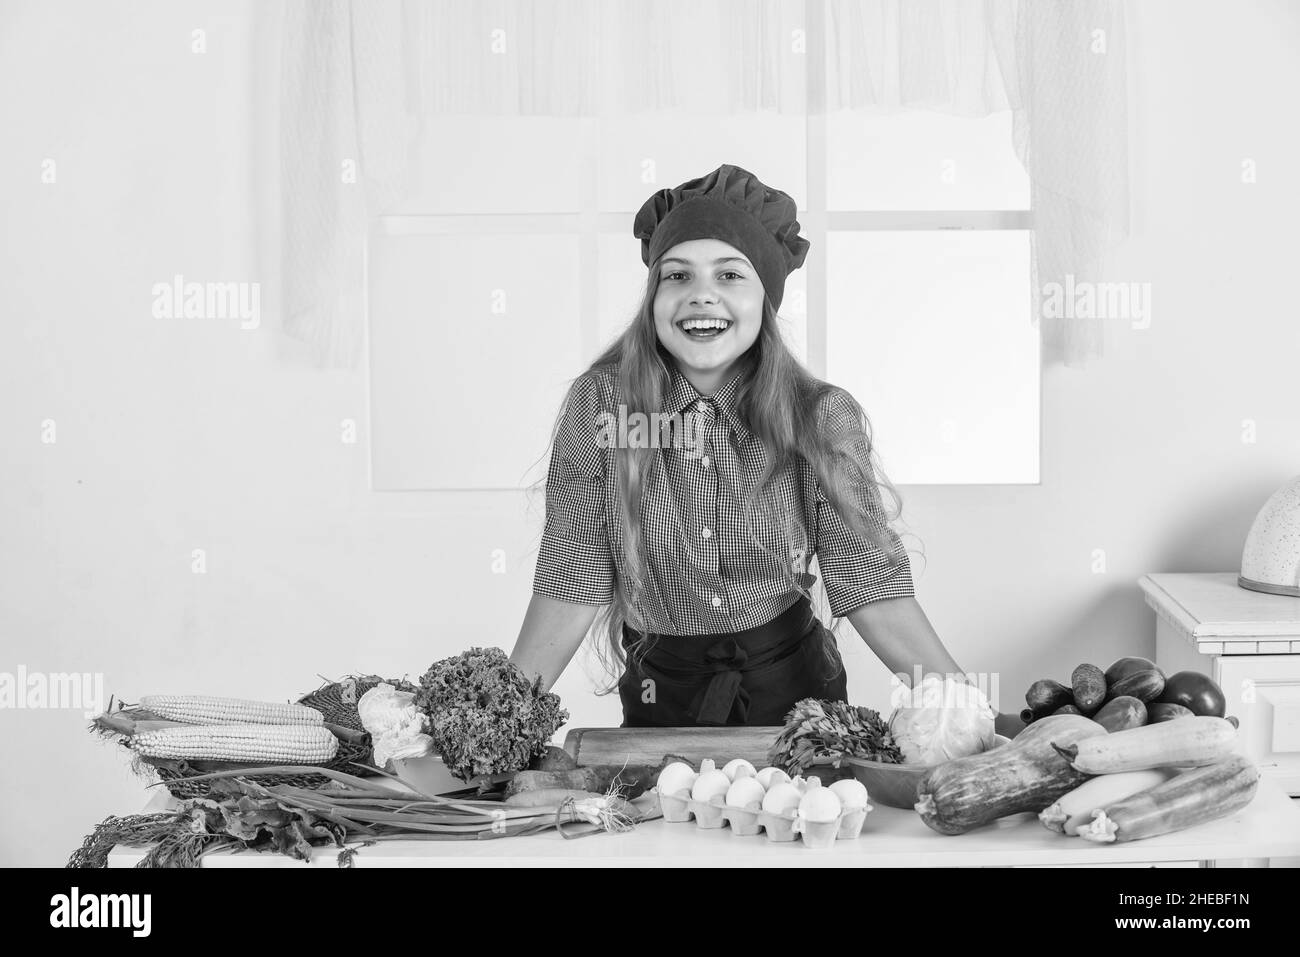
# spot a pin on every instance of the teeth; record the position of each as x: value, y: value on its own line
x: 691, y: 324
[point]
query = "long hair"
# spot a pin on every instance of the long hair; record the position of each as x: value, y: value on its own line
x: 778, y: 400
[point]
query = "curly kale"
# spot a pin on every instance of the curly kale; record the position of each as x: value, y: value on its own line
x: 485, y: 716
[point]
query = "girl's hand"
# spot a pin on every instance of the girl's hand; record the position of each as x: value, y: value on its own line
x: 1008, y: 725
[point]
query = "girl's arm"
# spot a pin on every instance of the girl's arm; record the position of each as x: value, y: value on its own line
x: 551, y: 634
x: 900, y: 634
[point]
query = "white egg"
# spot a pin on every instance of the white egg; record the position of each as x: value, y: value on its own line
x: 771, y: 775
x: 782, y: 798
x: 805, y: 784
x: 745, y: 791
x: 676, y: 778
x: 710, y: 784
x: 820, y: 805
x: 851, y: 793
x: 738, y: 768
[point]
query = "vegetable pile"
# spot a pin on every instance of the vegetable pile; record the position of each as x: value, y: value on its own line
x: 485, y: 716
x: 1131, y: 692
x: 1085, y: 780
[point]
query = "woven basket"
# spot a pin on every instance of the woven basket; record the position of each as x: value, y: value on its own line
x: 337, y: 700
x: 176, y: 773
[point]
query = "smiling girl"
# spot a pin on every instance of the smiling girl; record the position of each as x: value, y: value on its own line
x: 700, y: 555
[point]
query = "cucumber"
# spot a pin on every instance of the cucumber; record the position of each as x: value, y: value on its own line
x: 1088, y: 683
x: 1046, y: 696
x: 1189, y: 798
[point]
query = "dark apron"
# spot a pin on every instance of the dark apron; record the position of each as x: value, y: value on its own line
x: 751, y: 677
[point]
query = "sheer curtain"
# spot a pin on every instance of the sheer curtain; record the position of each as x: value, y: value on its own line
x: 358, y: 77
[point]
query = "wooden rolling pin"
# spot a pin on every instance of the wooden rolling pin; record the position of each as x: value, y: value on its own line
x: 616, y: 746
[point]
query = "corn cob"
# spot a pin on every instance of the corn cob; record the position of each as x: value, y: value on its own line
x: 278, y: 744
x: 205, y: 709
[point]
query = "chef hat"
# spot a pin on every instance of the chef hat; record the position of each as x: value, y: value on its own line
x: 732, y: 205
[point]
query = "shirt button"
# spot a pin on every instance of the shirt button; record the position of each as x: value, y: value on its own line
x: 705, y: 461
x: 717, y: 602
x: 702, y: 406
x: 705, y: 531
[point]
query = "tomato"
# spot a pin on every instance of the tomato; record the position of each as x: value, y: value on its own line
x: 1196, y: 692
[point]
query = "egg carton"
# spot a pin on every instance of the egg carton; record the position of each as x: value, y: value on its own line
x: 748, y: 821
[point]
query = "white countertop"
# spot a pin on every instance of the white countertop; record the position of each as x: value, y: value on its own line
x: 1269, y: 827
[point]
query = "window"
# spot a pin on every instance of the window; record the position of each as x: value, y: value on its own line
x: 501, y: 278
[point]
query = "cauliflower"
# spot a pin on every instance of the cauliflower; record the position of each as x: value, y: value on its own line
x: 944, y: 719
x: 397, y: 727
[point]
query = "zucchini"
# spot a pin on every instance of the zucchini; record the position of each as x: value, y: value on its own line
x: 1026, y: 774
x: 1119, y: 714
x: 1187, y: 742
x: 1187, y: 799
x: 1046, y: 695
x: 1088, y: 683
x: 1075, y: 809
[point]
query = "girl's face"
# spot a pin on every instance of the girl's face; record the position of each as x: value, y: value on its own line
x: 707, y: 279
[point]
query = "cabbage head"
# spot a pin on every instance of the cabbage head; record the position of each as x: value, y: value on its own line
x: 942, y: 719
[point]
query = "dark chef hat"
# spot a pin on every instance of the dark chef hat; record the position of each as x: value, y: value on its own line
x: 729, y: 204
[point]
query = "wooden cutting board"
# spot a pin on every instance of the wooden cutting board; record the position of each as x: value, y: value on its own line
x: 591, y: 746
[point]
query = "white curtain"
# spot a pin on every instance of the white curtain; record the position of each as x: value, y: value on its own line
x: 359, y: 76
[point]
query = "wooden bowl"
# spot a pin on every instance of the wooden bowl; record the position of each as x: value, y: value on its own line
x: 894, y: 785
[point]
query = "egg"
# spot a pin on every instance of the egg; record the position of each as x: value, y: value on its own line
x: 820, y: 805
x: 805, y: 784
x: 710, y: 784
x: 676, y: 778
x: 782, y: 798
x: 771, y: 775
x: 851, y: 794
x: 738, y: 768
x: 745, y: 791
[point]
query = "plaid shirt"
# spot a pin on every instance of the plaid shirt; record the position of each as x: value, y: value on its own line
x: 709, y: 576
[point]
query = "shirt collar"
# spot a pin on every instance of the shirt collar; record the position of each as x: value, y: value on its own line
x: 682, y: 396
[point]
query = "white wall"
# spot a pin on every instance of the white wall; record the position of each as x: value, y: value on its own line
x: 182, y: 434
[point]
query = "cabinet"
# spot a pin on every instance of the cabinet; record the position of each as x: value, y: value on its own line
x: 1249, y: 643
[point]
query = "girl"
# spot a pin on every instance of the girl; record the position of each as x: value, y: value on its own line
x: 696, y: 533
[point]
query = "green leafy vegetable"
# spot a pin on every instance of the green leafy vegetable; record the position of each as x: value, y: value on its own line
x: 485, y: 716
x: 828, y: 730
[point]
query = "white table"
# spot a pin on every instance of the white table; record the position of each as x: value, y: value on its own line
x: 1269, y: 827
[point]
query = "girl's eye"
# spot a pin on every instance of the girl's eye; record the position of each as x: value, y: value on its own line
x: 729, y: 272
